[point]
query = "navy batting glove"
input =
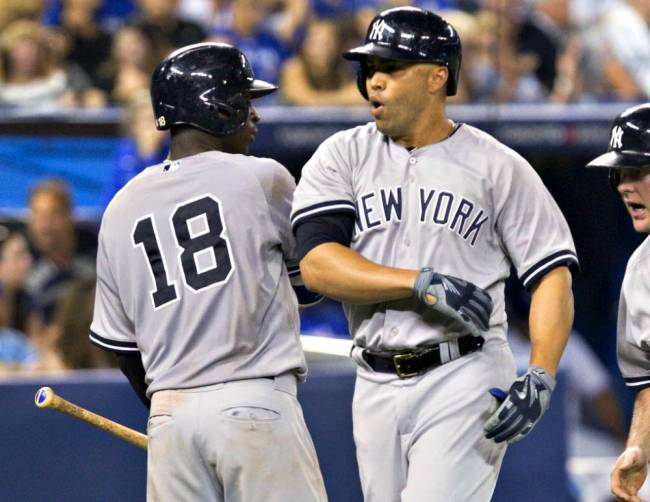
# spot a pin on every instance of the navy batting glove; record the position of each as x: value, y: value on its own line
x: 521, y: 408
x: 455, y: 298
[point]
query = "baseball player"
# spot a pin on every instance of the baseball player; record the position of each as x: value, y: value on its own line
x: 628, y: 160
x: 194, y: 295
x: 413, y: 222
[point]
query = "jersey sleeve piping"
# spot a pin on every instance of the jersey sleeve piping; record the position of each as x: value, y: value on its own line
x: 293, y: 271
x: 331, y: 206
x: 638, y: 383
x: 113, y: 345
x: 542, y: 267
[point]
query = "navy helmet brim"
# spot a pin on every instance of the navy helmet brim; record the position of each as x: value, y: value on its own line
x: 362, y: 52
x: 261, y: 88
x: 621, y: 159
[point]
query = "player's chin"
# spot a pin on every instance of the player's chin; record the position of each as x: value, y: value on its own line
x: 642, y: 225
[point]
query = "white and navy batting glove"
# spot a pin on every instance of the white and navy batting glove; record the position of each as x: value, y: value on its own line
x: 521, y: 408
x: 455, y: 298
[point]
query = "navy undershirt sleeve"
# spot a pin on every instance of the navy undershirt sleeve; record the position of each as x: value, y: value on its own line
x: 132, y: 367
x: 319, y: 229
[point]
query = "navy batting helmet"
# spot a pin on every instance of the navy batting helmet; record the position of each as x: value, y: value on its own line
x: 206, y: 85
x: 629, y: 143
x: 410, y: 34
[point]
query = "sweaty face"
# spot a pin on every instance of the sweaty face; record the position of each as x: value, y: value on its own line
x: 634, y: 189
x: 396, y: 90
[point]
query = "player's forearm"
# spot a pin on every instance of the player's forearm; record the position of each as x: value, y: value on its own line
x: 551, y: 318
x: 640, y: 427
x: 338, y: 272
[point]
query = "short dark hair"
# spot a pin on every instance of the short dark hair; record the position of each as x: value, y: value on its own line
x: 55, y: 187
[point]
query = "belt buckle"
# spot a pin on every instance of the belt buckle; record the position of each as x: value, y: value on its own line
x: 398, y: 359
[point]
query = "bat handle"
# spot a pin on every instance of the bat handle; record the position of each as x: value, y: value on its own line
x: 46, y: 398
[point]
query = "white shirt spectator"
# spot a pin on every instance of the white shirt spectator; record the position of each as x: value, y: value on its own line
x: 626, y: 36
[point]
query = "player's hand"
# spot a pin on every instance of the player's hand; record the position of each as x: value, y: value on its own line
x: 455, y: 298
x: 523, y: 405
x: 629, y: 474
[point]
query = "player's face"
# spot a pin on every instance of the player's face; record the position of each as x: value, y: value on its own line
x: 396, y: 90
x: 634, y: 189
x: 242, y: 139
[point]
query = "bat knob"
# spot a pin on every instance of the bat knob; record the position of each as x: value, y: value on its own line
x: 43, y: 397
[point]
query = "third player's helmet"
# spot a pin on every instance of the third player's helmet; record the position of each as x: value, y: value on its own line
x: 411, y: 34
x: 629, y: 143
x: 206, y: 85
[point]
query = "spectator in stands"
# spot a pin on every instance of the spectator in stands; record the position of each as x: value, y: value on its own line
x: 13, y: 10
x: 549, y: 34
x: 543, y: 33
x: 16, y: 353
x: 15, y: 266
x: 201, y: 12
x: 317, y: 75
x: 133, y: 58
x: 495, y: 72
x: 51, y: 229
x: 621, y: 48
x: 159, y: 21
x: 33, y: 76
x: 88, y: 44
x: 142, y: 145
x: 16, y: 319
x: 65, y: 344
x: 265, y: 51
x: 287, y: 19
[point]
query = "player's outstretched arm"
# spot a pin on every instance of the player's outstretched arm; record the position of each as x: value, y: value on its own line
x: 529, y: 396
x: 338, y: 272
x: 631, y: 468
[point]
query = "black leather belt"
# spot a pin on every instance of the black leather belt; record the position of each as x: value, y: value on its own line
x: 410, y: 363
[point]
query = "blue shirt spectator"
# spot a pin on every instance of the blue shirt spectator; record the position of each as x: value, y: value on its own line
x: 15, y: 350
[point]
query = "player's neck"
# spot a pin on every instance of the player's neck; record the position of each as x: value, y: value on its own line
x: 428, y: 132
x: 188, y: 141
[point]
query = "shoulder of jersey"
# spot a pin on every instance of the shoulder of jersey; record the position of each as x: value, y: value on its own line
x: 478, y: 141
x: 136, y: 180
x: 264, y: 166
x: 363, y: 132
x: 641, y: 256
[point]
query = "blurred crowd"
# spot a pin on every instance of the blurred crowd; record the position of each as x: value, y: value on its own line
x: 47, y: 283
x: 94, y: 53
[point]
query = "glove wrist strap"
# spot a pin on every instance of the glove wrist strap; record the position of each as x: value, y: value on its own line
x: 422, y: 282
x: 546, y: 378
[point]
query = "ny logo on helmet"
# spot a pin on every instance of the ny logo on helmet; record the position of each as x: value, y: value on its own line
x: 378, y: 30
x: 616, y: 140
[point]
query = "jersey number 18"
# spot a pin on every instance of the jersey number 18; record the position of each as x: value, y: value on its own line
x: 144, y: 234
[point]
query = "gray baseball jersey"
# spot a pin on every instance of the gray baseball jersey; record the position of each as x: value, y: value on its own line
x: 633, y: 330
x: 467, y: 206
x: 191, y: 272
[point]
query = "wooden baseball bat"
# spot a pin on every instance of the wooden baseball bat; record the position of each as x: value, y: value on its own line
x: 46, y: 398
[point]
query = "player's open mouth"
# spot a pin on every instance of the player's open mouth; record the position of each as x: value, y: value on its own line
x: 376, y: 106
x: 636, y: 209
